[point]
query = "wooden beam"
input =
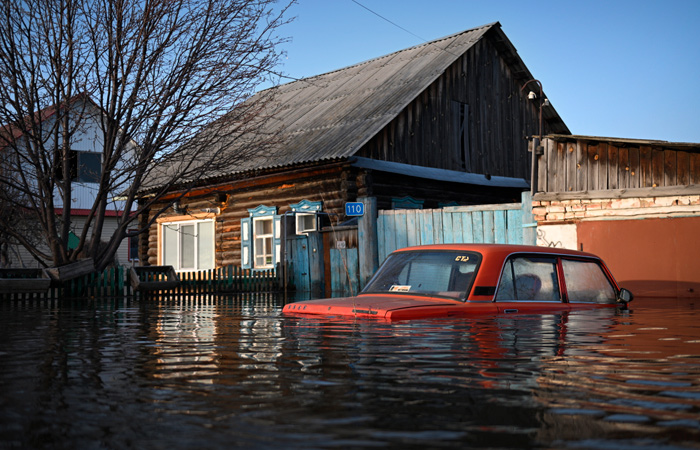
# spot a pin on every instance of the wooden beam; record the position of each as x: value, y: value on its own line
x: 258, y: 181
x: 693, y: 189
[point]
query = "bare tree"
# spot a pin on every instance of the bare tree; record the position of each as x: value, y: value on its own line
x: 153, y: 75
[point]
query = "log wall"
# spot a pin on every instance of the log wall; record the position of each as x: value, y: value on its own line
x: 330, y: 185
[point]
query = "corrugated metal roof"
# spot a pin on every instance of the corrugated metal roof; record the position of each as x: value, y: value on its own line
x: 331, y: 116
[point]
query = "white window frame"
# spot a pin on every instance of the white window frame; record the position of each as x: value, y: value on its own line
x: 176, y: 262
x: 301, y: 229
x: 245, y: 236
x: 259, y: 250
x: 302, y: 210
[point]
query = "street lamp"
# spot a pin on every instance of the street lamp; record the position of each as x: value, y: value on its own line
x: 536, y: 145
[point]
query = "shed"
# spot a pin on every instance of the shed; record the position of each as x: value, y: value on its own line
x: 634, y: 202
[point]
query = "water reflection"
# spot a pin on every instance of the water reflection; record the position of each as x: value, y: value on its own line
x: 223, y: 372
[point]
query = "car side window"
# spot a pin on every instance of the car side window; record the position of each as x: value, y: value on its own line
x: 587, y: 282
x: 529, y: 278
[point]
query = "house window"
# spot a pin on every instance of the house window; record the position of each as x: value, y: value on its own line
x: 133, y: 247
x: 262, y: 242
x: 260, y: 238
x: 89, y: 167
x: 306, y: 223
x: 306, y: 216
x: 85, y: 167
x: 188, y: 246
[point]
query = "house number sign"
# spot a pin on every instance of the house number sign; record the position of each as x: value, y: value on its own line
x: 354, y: 209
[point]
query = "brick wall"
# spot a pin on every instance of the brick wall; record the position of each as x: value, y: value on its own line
x: 557, y: 211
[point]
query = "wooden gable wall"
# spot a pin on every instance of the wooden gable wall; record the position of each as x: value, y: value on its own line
x: 501, y: 118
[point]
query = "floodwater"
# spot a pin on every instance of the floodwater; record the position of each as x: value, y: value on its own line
x: 220, y: 373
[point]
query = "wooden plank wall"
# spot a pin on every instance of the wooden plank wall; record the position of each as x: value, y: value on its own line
x: 500, y: 224
x: 499, y: 119
x: 583, y: 165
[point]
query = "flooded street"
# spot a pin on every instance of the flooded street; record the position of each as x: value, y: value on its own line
x: 234, y: 373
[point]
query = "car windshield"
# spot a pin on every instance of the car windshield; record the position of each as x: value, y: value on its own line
x: 445, y: 273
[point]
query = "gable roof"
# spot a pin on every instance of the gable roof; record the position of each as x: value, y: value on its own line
x: 331, y: 116
x: 13, y: 131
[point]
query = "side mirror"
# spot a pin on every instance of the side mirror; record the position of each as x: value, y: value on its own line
x: 624, y: 296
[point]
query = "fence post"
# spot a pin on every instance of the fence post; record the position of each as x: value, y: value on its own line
x: 367, y: 240
x: 529, y: 225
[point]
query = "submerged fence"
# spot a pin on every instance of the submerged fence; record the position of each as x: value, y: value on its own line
x: 116, y: 282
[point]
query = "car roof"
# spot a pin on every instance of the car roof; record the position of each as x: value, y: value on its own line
x: 494, y: 255
x: 498, y: 249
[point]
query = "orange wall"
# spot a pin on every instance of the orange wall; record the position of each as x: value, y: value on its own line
x: 651, y: 257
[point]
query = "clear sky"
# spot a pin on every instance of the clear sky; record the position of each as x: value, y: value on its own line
x: 613, y: 68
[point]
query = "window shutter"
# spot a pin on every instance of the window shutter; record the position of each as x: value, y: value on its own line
x: 246, y: 242
x: 277, y: 241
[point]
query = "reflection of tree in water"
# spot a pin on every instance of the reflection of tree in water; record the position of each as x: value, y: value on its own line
x: 14, y: 214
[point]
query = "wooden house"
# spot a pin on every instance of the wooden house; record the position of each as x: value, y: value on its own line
x: 634, y: 202
x: 442, y: 123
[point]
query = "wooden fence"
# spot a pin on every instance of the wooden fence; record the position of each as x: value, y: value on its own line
x: 115, y: 282
x: 502, y: 223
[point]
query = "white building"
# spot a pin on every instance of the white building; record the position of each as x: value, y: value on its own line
x: 86, y: 154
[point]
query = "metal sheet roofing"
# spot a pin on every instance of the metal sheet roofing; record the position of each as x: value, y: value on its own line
x: 331, y: 116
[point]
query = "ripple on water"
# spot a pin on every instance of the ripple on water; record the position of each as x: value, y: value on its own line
x: 236, y: 373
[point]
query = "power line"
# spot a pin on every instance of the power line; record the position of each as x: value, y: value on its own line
x: 400, y: 27
x: 384, y: 18
x: 306, y: 79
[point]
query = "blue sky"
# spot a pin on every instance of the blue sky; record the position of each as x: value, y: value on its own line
x: 612, y: 68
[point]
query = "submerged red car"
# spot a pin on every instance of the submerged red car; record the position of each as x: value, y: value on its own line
x: 450, y: 280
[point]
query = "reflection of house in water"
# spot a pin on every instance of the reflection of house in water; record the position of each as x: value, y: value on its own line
x: 204, y: 340
x: 185, y: 344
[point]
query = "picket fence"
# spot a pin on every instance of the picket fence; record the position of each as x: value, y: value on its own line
x: 115, y: 282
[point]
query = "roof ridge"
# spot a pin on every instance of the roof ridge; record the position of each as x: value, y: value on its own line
x: 403, y: 50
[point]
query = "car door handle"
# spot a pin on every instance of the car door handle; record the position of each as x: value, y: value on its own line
x: 510, y: 311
